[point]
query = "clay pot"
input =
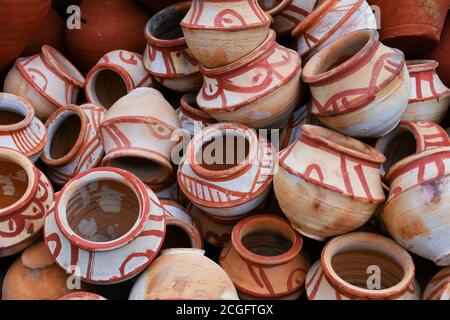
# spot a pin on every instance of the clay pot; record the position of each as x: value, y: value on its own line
x: 440, y: 54
x: 26, y: 197
x: 82, y: 296
x: 183, y: 274
x: 429, y: 98
x: 74, y: 144
x: 259, y: 90
x: 106, y: 26
x: 328, y: 184
x: 227, y: 170
x: 141, y: 139
x: 439, y: 286
x: 212, y: 29
x: 329, y: 21
x: 349, y: 264
x: 48, y: 80
x: 114, y: 76
x: 192, y: 118
x: 167, y: 56
x: 107, y: 224
x: 359, y: 86
x: 19, y: 128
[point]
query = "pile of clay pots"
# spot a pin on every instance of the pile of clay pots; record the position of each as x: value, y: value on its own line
x: 334, y: 114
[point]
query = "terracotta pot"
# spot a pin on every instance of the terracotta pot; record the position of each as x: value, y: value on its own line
x: 167, y: 56
x: 345, y: 270
x: 259, y: 90
x: 141, y: 139
x: 227, y: 186
x: 26, y: 198
x: 114, y: 76
x: 19, y: 128
x: 48, y: 80
x: 328, y: 184
x: 213, y: 28
x: 359, y: 86
x: 107, y: 223
x: 329, y: 21
x: 183, y: 274
x: 439, y: 286
x: 74, y: 144
x: 156, y: 6
x: 192, y: 118
x: 82, y: 296
x: 440, y: 54
x: 106, y: 26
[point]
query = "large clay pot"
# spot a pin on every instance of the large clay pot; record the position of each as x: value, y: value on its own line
x: 440, y: 54
x: 192, y: 118
x: 350, y: 263
x: 359, y: 86
x: 82, y: 296
x: 439, y: 286
x: 328, y: 184
x: 183, y: 274
x: 106, y: 224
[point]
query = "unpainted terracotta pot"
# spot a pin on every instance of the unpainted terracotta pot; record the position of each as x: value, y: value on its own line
x: 183, y: 274
x: 440, y: 54
x: 439, y: 286
x: 192, y: 117
x: 328, y: 184
x: 107, y: 224
x: 73, y: 144
x: 359, y: 86
x: 82, y: 296
x: 19, y: 128
x: 48, y: 80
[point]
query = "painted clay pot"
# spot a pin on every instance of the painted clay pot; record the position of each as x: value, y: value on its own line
x: 48, y: 80
x: 429, y: 98
x: 260, y: 90
x: 264, y: 260
x: 440, y: 54
x: 359, y: 86
x: 183, y: 274
x: 439, y: 286
x: 106, y: 224
x: 82, y: 296
x: 141, y: 139
x: 167, y: 56
x: 227, y: 170
x: 192, y: 118
x: 116, y: 74
x: 19, y: 128
x: 329, y: 21
x: 212, y: 29
x: 73, y: 144
x: 328, y: 184
x: 24, y: 201
x: 349, y: 262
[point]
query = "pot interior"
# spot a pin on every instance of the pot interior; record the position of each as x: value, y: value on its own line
x: 11, y: 111
x: 266, y: 242
x: 63, y: 134
x: 165, y: 25
x: 106, y: 87
x: 176, y: 237
x: 9, y: 117
x: 13, y: 182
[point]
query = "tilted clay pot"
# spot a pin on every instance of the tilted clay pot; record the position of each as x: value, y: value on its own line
x: 439, y: 286
x: 106, y: 224
x: 359, y: 86
x: 183, y: 274
x: 350, y: 265
x: 227, y: 170
x: 167, y: 56
x: 192, y: 118
x: 48, y: 80
x: 114, y: 76
x: 82, y: 296
x: 328, y: 184
x: 264, y: 259
x: 73, y: 144
x: 213, y: 29
x: 260, y: 90
x: 140, y: 139
x: 440, y: 54
x: 19, y: 128
x: 24, y: 201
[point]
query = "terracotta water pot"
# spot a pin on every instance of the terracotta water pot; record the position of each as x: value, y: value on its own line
x: 183, y: 274
x: 359, y: 86
x: 73, y: 144
x: 328, y: 184
x: 439, y: 286
x: 440, y: 54
x: 26, y: 198
x: 106, y: 224
x: 48, y: 80
x: 82, y: 296
x: 192, y: 117
x: 351, y: 264
x: 19, y: 128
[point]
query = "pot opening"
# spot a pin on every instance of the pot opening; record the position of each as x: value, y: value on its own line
x: 165, y: 25
x: 68, y: 69
x: 9, y: 117
x: 64, y: 134
x: 266, y: 242
x: 147, y: 170
x: 176, y: 237
x: 106, y: 87
x: 14, y: 183
x: 12, y: 111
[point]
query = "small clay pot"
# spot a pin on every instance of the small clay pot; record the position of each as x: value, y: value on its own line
x: 192, y: 117
x: 440, y: 54
x: 439, y: 286
x: 82, y: 296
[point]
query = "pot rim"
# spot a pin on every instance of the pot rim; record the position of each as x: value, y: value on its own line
x: 420, y: 65
x: 315, y: 15
x: 23, y: 103
x: 279, y: 8
x: 186, y: 104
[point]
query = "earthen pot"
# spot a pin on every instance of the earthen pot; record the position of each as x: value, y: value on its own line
x: 19, y: 128
x: 440, y: 54
x: 192, y: 117
x: 106, y: 224
x: 439, y: 286
x: 82, y: 296
x: 351, y: 264
x: 48, y: 80
x: 73, y: 144
x: 183, y: 274
x: 359, y: 86
x: 26, y: 198
x: 328, y: 184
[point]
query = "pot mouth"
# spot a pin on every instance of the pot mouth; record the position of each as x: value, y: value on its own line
x: 189, y: 103
x: 20, y: 112
x: 275, y: 7
x: 421, y: 65
x: 315, y: 15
